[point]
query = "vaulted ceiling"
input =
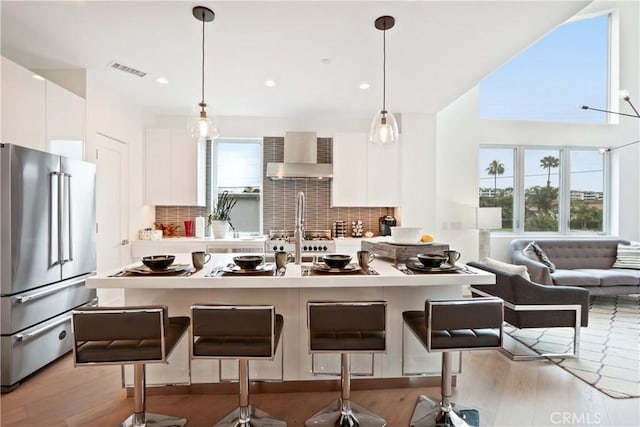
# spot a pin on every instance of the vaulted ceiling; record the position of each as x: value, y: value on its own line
x: 317, y: 53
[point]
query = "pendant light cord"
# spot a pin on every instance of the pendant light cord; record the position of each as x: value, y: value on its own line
x: 384, y: 69
x: 202, y: 102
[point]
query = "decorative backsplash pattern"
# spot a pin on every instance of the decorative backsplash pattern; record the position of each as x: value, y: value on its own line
x: 279, y: 199
x: 280, y: 196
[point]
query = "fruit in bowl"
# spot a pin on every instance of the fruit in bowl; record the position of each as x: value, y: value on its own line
x: 158, y: 262
x: 431, y: 260
x: 427, y: 238
x: 337, y: 260
x: 248, y: 262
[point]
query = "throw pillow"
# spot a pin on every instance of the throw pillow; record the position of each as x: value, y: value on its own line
x: 510, y: 268
x: 628, y: 257
x: 542, y: 257
x: 530, y: 252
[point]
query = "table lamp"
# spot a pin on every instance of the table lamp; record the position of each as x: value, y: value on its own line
x: 487, y: 219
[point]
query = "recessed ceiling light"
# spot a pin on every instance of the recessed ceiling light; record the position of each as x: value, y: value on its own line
x: 364, y: 85
x: 38, y: 77
x: 269, y: 83
x: 162, y: 80
x: 326, y: 60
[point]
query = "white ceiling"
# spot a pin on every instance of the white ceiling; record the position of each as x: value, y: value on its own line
x: 435, y: 52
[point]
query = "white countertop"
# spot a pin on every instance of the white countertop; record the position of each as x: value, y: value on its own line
x: 388, y: 276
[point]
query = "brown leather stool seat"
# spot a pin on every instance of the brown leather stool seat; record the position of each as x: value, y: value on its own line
x: 346, y: 327
x: 129, y: 335
x: 453, y: 325
x: 243, y: 332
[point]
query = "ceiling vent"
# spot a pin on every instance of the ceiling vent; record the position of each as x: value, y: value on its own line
x: 119, y: 66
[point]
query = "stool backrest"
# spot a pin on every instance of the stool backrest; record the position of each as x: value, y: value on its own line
x: 346, y: 316
x: 95, y: 327
x: 240, y: 322
x: 119, y: 323
x: 336, y: 323
x: 465, y: 313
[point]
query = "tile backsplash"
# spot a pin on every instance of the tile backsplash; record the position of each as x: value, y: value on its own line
x: 279, y: 199
x: 280, y: 196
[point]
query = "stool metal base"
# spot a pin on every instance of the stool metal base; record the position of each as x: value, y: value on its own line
x: 256, y: 418
x: 430, y: 412
x: 155, y: 420
x: 354, y: 415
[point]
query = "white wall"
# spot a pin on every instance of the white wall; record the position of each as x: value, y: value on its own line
x: 113, y: 115
x: 259, y: 127
x: 461, y: 131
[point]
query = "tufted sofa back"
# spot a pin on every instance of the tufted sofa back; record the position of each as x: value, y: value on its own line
x: 573, y: 254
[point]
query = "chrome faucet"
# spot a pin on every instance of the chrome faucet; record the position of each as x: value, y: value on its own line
x: 298, y: 233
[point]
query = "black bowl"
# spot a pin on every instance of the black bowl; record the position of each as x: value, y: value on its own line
x: 432, y: 261
x: 158, y: 262
x: 337, y: 260
x: 248, y: 262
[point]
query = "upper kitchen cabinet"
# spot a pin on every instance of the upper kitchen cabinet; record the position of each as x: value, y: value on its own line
x: 23, y: 107
x: 65, y: 114
x: 55, y: 116
x: 365, y: 174
x: 174, y: 160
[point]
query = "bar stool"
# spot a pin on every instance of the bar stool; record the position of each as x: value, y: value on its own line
x: 346, y: 327
x: 243, y: 332
x: 453, y: 325
x: 129, y: 335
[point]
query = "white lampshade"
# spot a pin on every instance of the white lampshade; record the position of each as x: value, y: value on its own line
x: 489, y: 218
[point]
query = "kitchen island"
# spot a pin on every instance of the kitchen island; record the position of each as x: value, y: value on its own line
x: 289, y: 294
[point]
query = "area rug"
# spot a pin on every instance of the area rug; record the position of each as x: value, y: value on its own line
x: 609, y: 346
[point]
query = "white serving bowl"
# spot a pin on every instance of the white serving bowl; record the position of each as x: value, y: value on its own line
x: 406, y: 234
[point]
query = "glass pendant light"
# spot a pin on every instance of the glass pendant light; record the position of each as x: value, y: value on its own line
x: 384, y: 128
x: 202, y: 127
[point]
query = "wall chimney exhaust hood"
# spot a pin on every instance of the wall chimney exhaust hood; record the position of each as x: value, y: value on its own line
x: 300, y: 159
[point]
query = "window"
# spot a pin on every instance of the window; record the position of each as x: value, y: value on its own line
x: 547, y: 82
x: 239, y: 164
x: 557, y: 189
x: 236, y: 167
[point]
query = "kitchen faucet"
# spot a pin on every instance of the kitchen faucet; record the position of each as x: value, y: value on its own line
x: 298, y: 233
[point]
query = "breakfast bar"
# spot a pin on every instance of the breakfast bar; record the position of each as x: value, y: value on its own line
x: 289, y: 290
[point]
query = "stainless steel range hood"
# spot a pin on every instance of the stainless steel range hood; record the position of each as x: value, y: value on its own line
x: 300, y: 159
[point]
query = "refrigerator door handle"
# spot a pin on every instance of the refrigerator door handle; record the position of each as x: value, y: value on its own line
x: 53, y: 290
x: 54, y: 220
x: 30, y: 335
x: 69, y: 218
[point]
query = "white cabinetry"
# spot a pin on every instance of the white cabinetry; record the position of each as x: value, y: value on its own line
x: 65, y: 115
x: 173, y: 164
x: 23, y: 107
x: 365, y: 174
x: 36, y: 112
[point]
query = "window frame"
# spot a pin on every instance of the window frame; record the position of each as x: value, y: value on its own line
x: 564, y: 201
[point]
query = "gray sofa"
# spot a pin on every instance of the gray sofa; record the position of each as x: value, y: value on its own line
x: 584, y: 263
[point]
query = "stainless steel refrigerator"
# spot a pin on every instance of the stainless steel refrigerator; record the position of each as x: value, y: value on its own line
x: 47, y: 250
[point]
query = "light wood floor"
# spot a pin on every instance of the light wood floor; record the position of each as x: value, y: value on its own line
x: 507, y: 393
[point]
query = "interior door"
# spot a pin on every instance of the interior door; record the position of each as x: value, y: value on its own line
x: 112, y: 203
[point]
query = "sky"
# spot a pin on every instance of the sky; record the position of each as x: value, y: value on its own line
x: 551, y: 79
